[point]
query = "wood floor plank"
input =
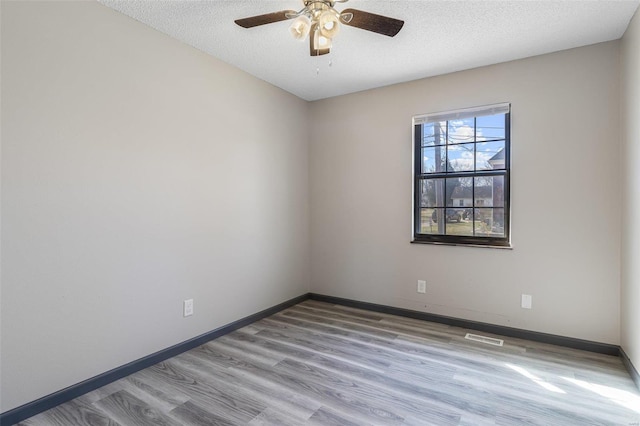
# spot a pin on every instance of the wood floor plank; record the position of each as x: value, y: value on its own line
x: 277, y: 417
x: 278, y: 398
x: 191, y: 414
x: 326, y: 417
x: 257, y: 356
x: 339, y: 324
x: 350, y: 347
x: 370, y: 412
x: 360, y: 313
x: 420, y: 403
x: 543, y: 405
x: 353, y: 322
x: 73, y: 413
x: 373, y: 351
x: 129, y: 410
x: 154, y: 396
x: 273, y: 342
x: 322, y: 364
x: 233, y: 406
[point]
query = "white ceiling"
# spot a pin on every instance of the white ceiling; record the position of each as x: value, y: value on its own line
x: 438, y: 37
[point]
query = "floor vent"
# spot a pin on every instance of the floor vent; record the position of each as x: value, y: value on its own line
x: 483, y: 339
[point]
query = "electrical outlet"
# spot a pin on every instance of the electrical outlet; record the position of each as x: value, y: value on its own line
x: 187, y: 308
x: 422, y: 286
x: 526, y: 301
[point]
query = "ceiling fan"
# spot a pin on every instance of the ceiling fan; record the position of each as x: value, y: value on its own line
x: 321, y: 22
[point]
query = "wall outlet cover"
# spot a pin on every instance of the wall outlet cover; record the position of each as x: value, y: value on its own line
x: 187, y: 308
x: 526, y: 301
x: 422, y: 286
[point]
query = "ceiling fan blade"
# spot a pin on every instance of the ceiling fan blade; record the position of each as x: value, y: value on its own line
x: 268, y: 18
x: 371, y: 22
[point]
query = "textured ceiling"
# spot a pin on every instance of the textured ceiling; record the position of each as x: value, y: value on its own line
x: 438, y: 37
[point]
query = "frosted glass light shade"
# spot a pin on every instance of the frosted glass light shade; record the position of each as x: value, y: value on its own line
x: 329, y: 23
x: 299, y: 29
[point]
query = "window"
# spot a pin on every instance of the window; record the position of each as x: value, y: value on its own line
x: 461, y: 176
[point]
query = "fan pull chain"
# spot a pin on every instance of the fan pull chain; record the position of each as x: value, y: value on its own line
x: 330, y: 65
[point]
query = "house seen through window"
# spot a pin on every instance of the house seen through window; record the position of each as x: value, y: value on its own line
x: 461, y: 176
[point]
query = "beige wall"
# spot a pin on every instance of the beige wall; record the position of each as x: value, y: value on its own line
x: 565, y: 198
x: 630, y: 312
x: 136, y: 172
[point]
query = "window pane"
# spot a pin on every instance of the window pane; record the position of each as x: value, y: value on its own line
x: 490, y: 127
x: 432, y: 193
x: 490, y: 155
x: 489, y: 222
x: 434, y: 133
x: 433, y: 159
x: 460, y: 157
x: 429, y: 223
x: 459, y: 192
x: 461, y: 131
x: 489, y: 191
x: 482, y: 221
x: 459, y: 222
x: 484, y: 191
x: 427, y: 134
x: 440, y: 129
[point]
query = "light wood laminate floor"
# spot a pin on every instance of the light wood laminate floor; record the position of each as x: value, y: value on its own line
x: 323, y: 364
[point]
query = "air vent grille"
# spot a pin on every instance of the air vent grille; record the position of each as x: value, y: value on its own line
x: 484, y: 339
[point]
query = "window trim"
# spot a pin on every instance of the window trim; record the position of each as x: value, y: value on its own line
x: 464, y: 240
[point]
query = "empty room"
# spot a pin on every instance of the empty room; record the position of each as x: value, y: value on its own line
x: 320, y: 212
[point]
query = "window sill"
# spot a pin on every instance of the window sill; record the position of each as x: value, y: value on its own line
x: 479, y: 245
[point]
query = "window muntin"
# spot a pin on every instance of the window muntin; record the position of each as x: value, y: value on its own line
x: 461, y: 176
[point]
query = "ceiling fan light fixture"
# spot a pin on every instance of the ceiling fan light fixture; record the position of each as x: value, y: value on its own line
x: 329, y: 23
x: 321, y: 22
x: 300, y: 28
